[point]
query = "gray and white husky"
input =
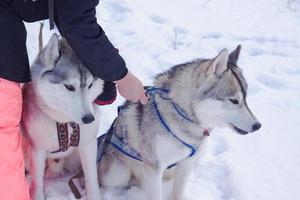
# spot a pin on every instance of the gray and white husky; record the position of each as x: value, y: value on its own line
x: 62, y: 90
x: 186, y: 102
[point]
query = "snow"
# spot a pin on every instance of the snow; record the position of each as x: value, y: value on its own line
x: 153, y: 35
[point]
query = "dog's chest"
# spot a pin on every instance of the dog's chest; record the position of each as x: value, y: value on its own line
x: 169, y: 150
x: 68, y: 135
x: 60, y: 140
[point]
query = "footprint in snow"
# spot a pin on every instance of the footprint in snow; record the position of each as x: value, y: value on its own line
x: 261, y: 39
x: 270, y: 81
x: 120, y: 10
x: 293, y: 71
x: 214, y: 176
x: 119, y: 7
x: 128, y: 33
x: 260, y: 52
x: 256, y: 52
x: 212, y: 35
x: 158, y: 19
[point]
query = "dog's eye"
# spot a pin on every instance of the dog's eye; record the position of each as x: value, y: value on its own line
x: 70, y: 87
x: 234, y: 101
x: 90, y: 85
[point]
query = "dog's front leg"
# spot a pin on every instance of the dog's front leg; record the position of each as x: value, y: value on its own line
x: 182, y: 172
x: 37, y: 165
x: 152, y: 182
x: 88, y: 156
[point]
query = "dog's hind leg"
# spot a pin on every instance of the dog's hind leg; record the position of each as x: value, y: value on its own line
x: 37, y: 169
x: 182, y: 172
x: 113, y: 173
x: 152, y: 182
x: 88, y: 155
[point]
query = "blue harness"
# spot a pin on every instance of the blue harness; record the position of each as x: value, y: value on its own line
x: 120, y: 145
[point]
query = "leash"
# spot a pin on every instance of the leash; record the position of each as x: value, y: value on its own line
x: 51, y: 13
x: 72, y: 185
x: 102, y: 142
x: 64, y: 144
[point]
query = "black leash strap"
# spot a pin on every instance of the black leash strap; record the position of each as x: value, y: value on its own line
x: 51, y: 13
x: 72, y: 185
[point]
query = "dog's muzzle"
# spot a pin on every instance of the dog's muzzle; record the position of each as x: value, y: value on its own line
x: 256, y: 126
x: 87, y: 119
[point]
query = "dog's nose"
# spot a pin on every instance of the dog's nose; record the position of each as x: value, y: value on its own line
x: 88, y: 119
x: 256, y: 126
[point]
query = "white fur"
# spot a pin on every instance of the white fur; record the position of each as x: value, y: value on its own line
x: 46, y: 103
x: 189, y: 85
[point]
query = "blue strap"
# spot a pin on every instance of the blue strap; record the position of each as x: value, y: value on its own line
x: 103, y: 141
x: 173, y: 165
x: 100, y: 147
x: 116, y: 143
x: 129, y: 151
x: 154, y: 89
x: 163, y: 121
x: 181, y: 112
x: 124, y: 148
x: 162, y: 91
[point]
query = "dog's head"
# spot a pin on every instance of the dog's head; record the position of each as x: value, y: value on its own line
x: 64, y: 84
x: 220, y: 94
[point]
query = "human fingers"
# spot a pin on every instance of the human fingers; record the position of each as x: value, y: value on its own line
x: 144, y: 99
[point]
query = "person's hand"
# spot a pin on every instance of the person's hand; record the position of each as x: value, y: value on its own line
x: 132, y: 89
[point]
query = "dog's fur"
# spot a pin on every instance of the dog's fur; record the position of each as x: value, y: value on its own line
x: 62, y: 90
x: 212, y: 92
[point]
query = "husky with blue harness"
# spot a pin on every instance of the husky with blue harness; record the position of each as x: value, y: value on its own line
x: 186, y: 103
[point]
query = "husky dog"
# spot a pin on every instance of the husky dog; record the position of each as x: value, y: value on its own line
x: 62, y: 90
x: 200, y: 95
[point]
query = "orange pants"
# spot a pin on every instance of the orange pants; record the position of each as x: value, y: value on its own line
x: 13, y: 184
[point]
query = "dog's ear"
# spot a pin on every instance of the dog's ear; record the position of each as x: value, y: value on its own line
x: 218, y: 64
x: 51, y: 52
x: 234, y: 56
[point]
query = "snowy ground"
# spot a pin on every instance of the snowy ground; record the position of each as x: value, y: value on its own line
x: 153, y: 35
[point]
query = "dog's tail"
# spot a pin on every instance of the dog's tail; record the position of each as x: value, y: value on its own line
x: 41, y: 36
